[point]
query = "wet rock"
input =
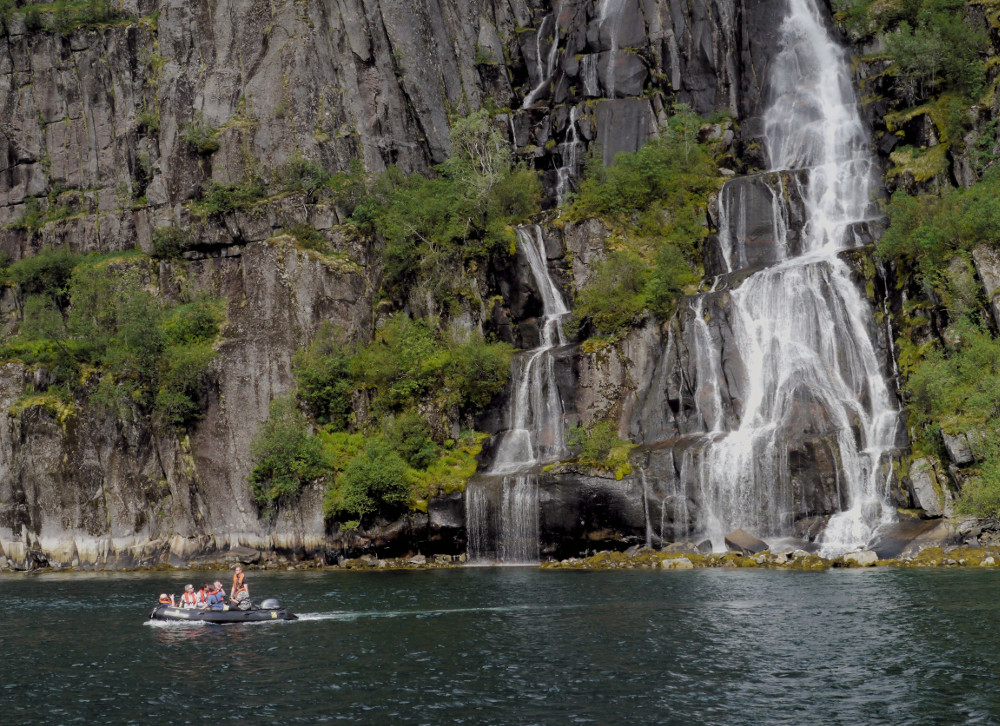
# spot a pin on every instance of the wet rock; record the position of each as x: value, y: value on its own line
x: 677, y: 563
x: 417, y: 560
x: 908, y: 538
x: 683, y: 548
x: 865, y: 558
x: 744, y: 542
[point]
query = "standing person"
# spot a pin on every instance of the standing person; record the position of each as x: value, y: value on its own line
x: 239, y: 582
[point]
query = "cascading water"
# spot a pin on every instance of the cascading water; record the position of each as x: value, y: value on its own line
x: 800, y: 326
x: 609, y: 14
x: 502, y: 506
x: 548, y: 70
x: 570, y: 152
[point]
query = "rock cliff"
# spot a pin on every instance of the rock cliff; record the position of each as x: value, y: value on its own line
x: 98, y: 140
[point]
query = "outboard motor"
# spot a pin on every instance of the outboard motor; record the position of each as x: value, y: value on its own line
x: 270, y: 603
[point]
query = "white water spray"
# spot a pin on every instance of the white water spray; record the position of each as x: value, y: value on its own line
x: 502, y: 507
x: 801, y: 326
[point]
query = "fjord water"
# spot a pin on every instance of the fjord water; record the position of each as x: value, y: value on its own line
x: 513, y: 646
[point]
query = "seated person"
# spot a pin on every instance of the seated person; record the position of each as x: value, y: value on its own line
x: 242, y: 599
x: 202, y: 595
x: 165, y: 600
x: 217, y: 597
x: 189, y: 599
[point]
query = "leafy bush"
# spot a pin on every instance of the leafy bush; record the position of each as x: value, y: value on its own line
x: 655, y: 199
x: 599, y: 446
x: 614, y: 296
x: 374, y: 481
x: 94, y: 313
x: 202, y: 135
x: 433, y: 225
x: 46, y: 274
x: 933, y: 44
x: 307, y: 237
x: 408, y: 435
x: 325, y: 380
x: 409, y: 361
x: 925, y: 231
x: 218, y: 198
x: 168, y: 243
x: 285, y: 456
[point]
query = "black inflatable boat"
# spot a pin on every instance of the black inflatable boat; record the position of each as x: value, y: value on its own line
x: 270, y: 609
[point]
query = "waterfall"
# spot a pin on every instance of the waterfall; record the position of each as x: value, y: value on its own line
x: 609, y: 14
x: 800, y: 326
x: 569, y: 150
x: 502, y: 506
x: 548, y: 70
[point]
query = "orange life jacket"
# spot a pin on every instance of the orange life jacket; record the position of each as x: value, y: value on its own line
x: 164, y: 601
x: 238, y: 578
x: 189, y: 598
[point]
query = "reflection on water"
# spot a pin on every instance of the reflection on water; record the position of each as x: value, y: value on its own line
x: 513, y: 646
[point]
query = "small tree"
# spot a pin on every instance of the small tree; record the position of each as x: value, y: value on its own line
x: 285, y: 456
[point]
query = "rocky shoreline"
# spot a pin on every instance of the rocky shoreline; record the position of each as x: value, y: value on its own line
x: 635, y: 558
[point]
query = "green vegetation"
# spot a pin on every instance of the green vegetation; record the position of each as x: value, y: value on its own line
x: 201, y: 135
x: 285, y: 455
x: 932, y: 45
x: 92, y: 319
x: 948, y: 355
x: 391, y: 458
x: 655, y: 201
x: 63, y: 16
x: 599, y: 445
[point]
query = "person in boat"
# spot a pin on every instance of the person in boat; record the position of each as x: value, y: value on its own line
x: 239, y: 581
x: 241, y: 599
x: 167, y: 600
x: 217, y: 597
x: 202, y: 595
x: 189, y: 599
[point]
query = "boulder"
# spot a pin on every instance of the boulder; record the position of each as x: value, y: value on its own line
x: 957, y: 446
x: 745, y: 543
x: 684, y: 548
x: 677, y: 563
x: 923, y: 481
x: 865, y: 558
x: 987, y: 261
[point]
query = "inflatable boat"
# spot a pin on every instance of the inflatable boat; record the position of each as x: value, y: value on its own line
x: 269, y: 609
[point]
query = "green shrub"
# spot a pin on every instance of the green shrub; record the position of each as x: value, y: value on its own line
x: 93, y: 314
x: 33, y: 20
x: 201, y: 135
x: 47, y: 273
x: 307, y: 237
x: 218, y: 198
x: 284, y: 455
x: 375, y: 481
x: 599, y: 446
x: 193, y: 322
x: 614, y: 295
x: 409, y: 436
x: 168, y: 243
x: 655, y: 199
x: 325, y: 380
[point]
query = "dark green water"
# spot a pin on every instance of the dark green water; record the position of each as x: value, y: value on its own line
x: 513, y: 646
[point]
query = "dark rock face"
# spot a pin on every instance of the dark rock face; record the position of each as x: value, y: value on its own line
x: 580, y: 512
